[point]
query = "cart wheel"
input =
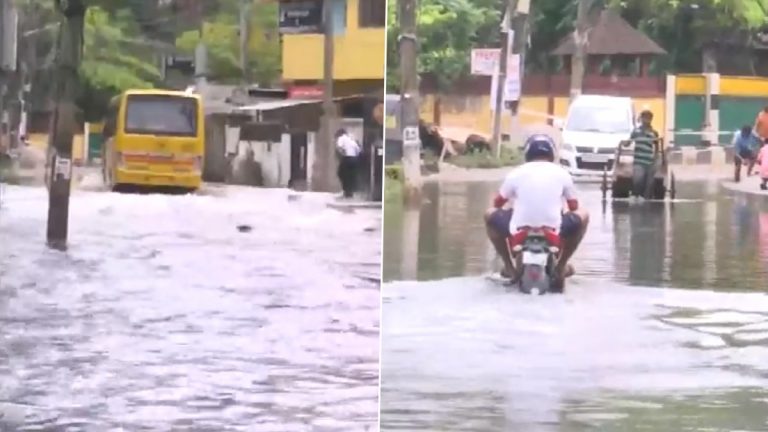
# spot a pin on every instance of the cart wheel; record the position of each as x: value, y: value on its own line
x: 672, y: 190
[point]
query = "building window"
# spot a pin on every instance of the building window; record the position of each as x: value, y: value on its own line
x: 373, y: 13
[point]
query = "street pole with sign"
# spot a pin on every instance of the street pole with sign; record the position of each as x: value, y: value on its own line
x: 69, y: 56
x: 501, y: 74
x: 325, y: 149
x: 409, y: 103
x: 519, y: 28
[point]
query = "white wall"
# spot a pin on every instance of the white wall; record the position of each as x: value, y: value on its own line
x: 310, y: 158
x: 285, y: 160
x: 267, y: 154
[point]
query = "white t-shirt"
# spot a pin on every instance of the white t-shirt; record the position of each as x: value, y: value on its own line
x: 537, y: 191
x: 348, y: 146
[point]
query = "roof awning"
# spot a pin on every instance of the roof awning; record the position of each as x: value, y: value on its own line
x: 276, y: 104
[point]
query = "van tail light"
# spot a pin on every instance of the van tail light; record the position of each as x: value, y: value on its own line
x: 197, y: 164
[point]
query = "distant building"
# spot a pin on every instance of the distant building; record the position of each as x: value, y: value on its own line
x: 359, y: 65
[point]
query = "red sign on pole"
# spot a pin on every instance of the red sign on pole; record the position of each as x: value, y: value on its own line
x: 305, y: 92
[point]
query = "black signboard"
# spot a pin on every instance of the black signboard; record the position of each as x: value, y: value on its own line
x: 301, y: 16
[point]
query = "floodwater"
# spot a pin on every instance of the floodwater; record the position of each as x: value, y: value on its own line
x: 164, y: 316
x: 664, y: 327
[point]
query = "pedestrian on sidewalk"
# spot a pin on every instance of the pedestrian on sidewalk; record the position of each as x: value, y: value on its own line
x: 349, y: 151
x: 762, y: 160
x: 744, y: 143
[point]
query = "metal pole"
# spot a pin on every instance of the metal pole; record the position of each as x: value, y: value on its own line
x: 322, y: 172
x: 64, y: 124
x: 519, y: 27
x: 501, y: 75
x: 409, y: 102
x: 245, y: 9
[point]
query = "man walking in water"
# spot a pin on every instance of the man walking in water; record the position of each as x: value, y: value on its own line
x: 537, y: 191
x: 349, y: 151
x: 646, y: 141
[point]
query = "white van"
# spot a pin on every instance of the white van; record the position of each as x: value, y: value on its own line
x: 593, y: 129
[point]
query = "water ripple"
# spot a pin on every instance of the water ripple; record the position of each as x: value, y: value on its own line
x: 163, y: 316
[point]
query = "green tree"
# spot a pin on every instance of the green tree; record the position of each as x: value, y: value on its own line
x: 221, y: 37
x: 448, y: 30
x: 112, y: 57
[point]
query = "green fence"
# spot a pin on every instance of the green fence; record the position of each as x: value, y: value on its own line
x: 734, y: 111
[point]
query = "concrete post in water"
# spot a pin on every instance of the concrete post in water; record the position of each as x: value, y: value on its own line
x: 70, y: 52
x: 409, y: 103
x: 322, y: 171
x: 409, y: 264
x: 712, y: 110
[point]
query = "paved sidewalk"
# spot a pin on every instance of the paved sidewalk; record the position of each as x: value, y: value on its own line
x: 750, y: 185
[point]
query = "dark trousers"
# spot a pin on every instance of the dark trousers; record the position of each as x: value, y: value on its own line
x: 640, y: 178
x: 348, y: 175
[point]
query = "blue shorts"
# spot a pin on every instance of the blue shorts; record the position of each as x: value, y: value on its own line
x: 569, y: 226
x: 746, y: 154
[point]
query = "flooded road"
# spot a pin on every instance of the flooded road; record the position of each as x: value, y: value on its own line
x: 664, y: 327
x: 163, y: 316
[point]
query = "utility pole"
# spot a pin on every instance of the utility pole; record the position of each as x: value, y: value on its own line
x: 201, y: 59
x: 409, y: 103
x: 245, y: 15
x: 519, y: 26
x: 9, y: 22
x: 581, y: 41
x: 69, y: 57
x: 501, y: 74
x: 324, y: 149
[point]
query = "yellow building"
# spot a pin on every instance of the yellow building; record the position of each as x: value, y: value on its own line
x: 359, y: 42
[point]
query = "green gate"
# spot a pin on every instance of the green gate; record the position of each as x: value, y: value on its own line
x: 689, y: 117
x: 95, y: 143
x: 736, y: 112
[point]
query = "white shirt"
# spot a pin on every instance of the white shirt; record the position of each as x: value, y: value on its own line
x: 538, y: 191
x: 348, y: 146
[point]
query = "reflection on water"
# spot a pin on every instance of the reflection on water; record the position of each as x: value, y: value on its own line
x: 624, y: 350
x: 708, y: 240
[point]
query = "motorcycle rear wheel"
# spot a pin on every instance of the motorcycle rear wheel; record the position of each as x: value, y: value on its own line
x: 534, y: 278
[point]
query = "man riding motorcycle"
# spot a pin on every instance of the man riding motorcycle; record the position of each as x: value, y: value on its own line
x: 537, y: 190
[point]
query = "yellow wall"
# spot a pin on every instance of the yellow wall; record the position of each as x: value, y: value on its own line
x: 729, y: 86
x: 358, y: 53
x: 474, y: 112
x: 40, y: 141
x: 744, y: 86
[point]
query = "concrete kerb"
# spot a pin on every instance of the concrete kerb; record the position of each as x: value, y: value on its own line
x: 749, y: 186
x: 713, y: 156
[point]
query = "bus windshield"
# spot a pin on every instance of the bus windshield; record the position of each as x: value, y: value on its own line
x: 161, y: 115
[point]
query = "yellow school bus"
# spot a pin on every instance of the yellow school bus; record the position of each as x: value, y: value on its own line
x: 154, y: 138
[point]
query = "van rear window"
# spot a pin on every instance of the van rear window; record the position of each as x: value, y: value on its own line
x: 161, y: 115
